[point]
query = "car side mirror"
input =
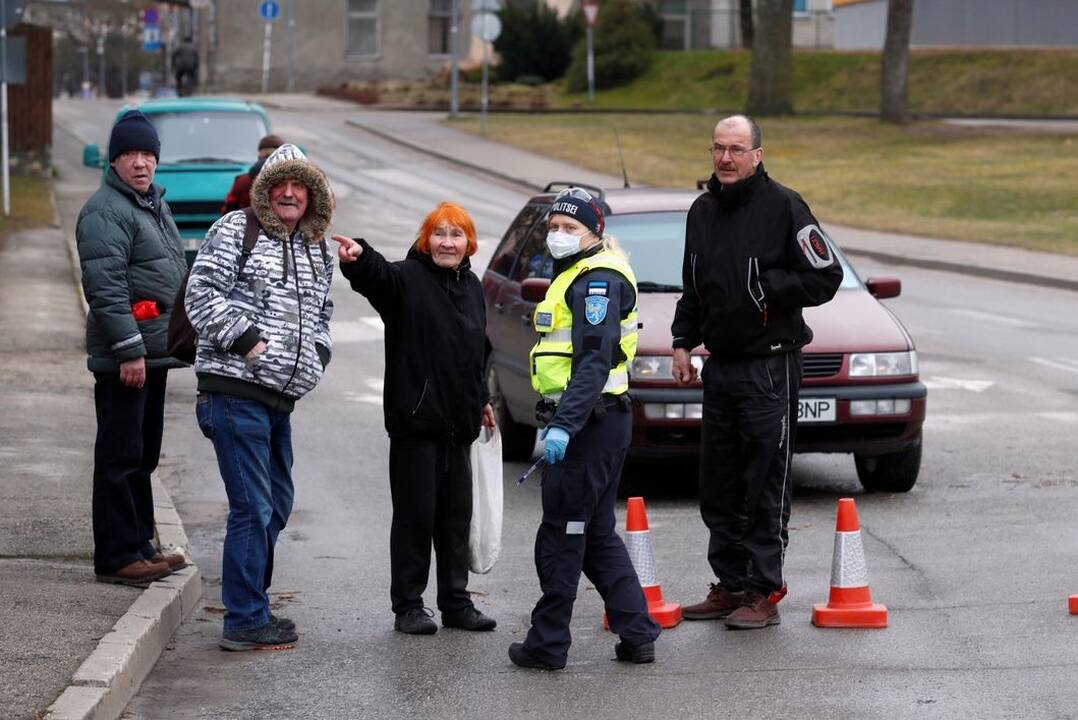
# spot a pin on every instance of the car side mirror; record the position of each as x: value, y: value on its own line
x: 534, y: 289
x: 91, y: 156
x: 882, y: 288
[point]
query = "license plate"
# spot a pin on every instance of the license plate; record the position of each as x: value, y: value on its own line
x: 816, y: 410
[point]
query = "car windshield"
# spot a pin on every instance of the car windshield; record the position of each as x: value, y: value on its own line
x: 655, y: 243
x: 193, y: 137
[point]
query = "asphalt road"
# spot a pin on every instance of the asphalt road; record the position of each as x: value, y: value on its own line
x: 975, y: 563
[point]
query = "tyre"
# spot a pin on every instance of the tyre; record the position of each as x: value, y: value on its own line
x: 894, y: 472
x: 518, y: 440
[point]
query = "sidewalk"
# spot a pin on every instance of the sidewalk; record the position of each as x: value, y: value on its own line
x: 425, y: 132
x: 66, y: 638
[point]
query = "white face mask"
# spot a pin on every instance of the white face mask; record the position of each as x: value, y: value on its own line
x: 563, y: 244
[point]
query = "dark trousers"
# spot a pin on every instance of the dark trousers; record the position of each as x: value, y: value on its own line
x: 431, y: 486
x: 577, y: 534
x: 750, y: 418
x: 130, y: 422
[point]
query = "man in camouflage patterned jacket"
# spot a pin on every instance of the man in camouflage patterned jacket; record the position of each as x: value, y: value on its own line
x: 263, y: 343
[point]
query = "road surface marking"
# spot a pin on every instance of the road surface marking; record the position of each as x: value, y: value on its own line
x: 945, y: 383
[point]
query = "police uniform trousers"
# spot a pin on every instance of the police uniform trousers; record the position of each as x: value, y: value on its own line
x: 578, y: 533
x: 431, y: 486
x: 750, y: 418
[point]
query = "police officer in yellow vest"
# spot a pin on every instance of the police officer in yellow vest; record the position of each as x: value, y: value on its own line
x: 587, y: 329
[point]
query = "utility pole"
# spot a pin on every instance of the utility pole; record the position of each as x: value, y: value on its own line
x: 291, y: 45
x: 101, y: 89
x: 454, y: 73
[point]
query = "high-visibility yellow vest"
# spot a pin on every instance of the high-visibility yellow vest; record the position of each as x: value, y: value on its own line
x: 551, y: 359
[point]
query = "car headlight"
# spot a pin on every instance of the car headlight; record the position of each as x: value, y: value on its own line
x: 653, y: 367
x: 883, y: 364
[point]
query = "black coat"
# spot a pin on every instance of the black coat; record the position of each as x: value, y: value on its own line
x: 754, y: 256
x: 435, y: 322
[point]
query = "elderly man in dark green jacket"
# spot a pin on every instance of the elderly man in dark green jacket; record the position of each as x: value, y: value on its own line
x: 132, y: 266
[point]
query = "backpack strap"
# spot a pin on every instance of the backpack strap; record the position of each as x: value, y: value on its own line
x: 250, y: 237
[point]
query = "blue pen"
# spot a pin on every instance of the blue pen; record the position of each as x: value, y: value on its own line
x: 530, y: 471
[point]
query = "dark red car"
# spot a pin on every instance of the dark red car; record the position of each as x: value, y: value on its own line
x: 860, y: 393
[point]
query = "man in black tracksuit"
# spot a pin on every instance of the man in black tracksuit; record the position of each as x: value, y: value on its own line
x: 754, y: 257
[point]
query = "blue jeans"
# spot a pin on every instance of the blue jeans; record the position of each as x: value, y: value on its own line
x: 254, y: 453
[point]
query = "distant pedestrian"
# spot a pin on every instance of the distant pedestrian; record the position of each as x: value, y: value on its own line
x: 436, y: 398
x: 263, y: 343
x: 132, y: 265
x: 754, y: 257
x: 185, y: 67
x: 239, y: 195
x: 587, y: 337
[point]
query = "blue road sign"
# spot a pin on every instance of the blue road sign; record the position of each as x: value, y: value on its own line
x: 149, y: 16
x: 270, y: 10
x: 151, y: 38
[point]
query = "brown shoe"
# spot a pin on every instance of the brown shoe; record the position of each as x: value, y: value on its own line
x: 720, y: 602
x: 756, y: 611
x: 175, y: 561
x: 139, y: 574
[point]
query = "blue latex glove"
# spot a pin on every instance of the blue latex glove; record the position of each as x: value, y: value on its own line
x: 555, y: 440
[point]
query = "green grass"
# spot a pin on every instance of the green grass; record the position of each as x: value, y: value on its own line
x: 30, y: 204
x: 932, y: 179
x: 995, y: 82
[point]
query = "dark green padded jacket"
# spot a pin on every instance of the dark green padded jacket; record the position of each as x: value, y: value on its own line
x: 130, y: 250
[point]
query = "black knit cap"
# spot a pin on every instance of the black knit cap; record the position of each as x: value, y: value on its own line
x: 133, y: 132
x: 580, y: 206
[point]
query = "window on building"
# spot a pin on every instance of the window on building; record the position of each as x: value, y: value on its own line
x: 675, y: 29
x: 800, y: 6
x: 363, y: 30
x: 439, y: 27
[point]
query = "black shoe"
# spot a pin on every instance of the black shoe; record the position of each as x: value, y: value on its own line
x: 520, y: 656
x: 468, y: 619
x: 415, y: 621
x: 282, y: 623
x: 642, y: 653
x: 266, y: 637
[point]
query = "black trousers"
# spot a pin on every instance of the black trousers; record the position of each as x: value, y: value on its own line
x: 130, y: 422
x: 431, y: 486
x: 750, y: 418
x: 577, y: 534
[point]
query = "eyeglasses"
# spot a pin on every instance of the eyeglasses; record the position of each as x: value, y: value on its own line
x: 734, y: 150
x: 573, y: 192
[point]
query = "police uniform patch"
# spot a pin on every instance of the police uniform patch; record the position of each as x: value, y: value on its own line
x: 544, y: 319
x: 598, y: 287
x: 815, y: 246
x: 595, y: 308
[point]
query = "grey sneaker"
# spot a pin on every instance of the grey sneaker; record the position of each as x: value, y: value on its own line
x: 267, y: 637
x: 415, y: 621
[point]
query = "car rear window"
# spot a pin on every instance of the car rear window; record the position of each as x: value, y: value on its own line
x: 209, y: 136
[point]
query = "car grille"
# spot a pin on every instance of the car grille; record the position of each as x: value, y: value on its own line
x: 817, y: 365
x: 196, y: 208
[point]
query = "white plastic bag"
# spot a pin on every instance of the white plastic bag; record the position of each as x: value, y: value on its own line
x: 485, y: 540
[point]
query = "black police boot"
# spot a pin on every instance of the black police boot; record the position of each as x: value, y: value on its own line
x: 415, y: 621
x: 642, y: 653
x: 468, y: 619
x: 522, y: 658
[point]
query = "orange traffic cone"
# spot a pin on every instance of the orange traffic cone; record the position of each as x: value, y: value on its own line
x: 638, y: 543
x: 850, y: 603
x: 1072, y: 602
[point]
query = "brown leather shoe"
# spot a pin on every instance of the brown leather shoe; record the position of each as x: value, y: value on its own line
x: 756, y: 611
x: 175, y: 561
x: 139, y: 574
x: 720, y: 602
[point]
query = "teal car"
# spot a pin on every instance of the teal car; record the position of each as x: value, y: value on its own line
x: 205, y: 144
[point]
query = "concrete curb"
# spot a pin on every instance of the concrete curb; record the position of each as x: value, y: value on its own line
x: 107, y: 680
x: 522, y: 184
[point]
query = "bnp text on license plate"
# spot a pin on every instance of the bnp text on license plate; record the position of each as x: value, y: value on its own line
x: 810, y: 410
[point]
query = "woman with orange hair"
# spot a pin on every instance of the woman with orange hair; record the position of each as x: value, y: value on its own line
x: 435, y: 400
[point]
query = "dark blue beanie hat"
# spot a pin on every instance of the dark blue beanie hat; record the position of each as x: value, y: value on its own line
x: 133, y: 132
x: 579, y: 205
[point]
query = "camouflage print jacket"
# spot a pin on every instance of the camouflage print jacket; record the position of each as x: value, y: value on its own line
x: 281, y: 297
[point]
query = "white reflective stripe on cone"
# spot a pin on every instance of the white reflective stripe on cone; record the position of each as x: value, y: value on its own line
x: 848, y: 567
x: 638, y: 543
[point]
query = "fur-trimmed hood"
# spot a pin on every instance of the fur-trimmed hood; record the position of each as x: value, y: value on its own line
x: 289, y: 162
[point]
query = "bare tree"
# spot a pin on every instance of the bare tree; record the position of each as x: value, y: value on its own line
x: 771, y: 75
x: 745, y: 18
x: 895, y: 71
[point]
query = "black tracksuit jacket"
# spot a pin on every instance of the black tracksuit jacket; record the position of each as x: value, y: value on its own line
x: 754, y: 256
x: 435, y: 343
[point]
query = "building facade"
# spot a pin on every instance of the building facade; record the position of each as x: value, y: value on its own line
x: 706, y: 24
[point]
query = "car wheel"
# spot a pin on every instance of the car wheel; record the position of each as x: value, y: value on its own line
x: 894, y: 472
x: 518, y: 440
